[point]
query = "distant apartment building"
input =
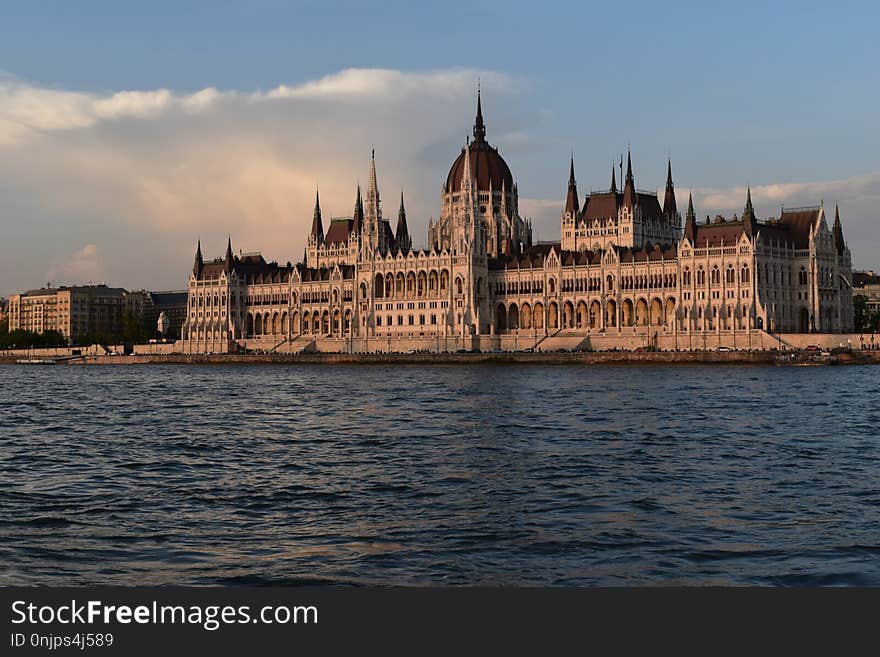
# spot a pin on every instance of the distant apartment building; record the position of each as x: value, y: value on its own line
x: 73, y: 311
x: 867, y: 284
x: 149, y: 305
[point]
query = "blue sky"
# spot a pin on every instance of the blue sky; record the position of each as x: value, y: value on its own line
x: 743, y: 94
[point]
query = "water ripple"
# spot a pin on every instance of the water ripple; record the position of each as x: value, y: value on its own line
x: 452, y: 475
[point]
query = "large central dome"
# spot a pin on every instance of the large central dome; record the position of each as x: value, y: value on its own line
x: 487, y: 165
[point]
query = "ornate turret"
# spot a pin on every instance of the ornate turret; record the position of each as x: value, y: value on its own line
x: 838, y: 232
x: 571, y: 201
x: 613, y: 181
x: 690, y: 222
x: 486, y: 164
x: 197, y: 265
x: 629, y: 186
x: 317, y: 234
x: 404, y: 243
x: 669, y: 206
x: 480, y: 199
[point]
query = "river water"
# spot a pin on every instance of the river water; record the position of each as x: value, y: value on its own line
x: 440, y: 475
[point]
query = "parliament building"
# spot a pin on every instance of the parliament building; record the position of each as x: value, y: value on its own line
x: 627, y: 271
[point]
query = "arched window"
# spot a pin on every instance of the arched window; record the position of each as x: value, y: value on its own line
x: 744, y: 274
x: 378, y: 287
x: 802, y: 276
x: 609, y: 283
x: 730, y: 278
x: 551, y: 285
x: 701, y: 276
x: 716, y: 275
x: 458, y: 285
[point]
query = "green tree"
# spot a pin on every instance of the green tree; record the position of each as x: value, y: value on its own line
x: 861, y: 320
x: 19, y: 339
x: 133, y: 331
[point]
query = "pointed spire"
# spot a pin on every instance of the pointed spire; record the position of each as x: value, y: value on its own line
x: 571, y: 201
x: 690, y: 222
x: 317, y: 233
x: 466, y: 180
x: 197, y: 264
x: 229, y: 259
x: 613, y: 181
x: 670, y: 209
x: 479, y: 126
x: 749, y: 210
x: 373, y: 189
x: 838, y: 232
x: 750, y: 221
x: 358, y: 213
x: 629, y: 187
x: 404, y: 242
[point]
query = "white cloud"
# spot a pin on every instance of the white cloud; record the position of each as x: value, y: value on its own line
x: 29, y: 111
x: 858, y: 189
x: 80, y: 267
x: 389, y: 83
x: 139, y: 104
x: 142, y: 173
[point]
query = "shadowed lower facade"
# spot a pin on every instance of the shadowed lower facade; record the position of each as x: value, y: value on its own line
x: 625, y: 265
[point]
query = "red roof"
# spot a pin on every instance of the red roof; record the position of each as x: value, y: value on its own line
x: 712, y: 235
x: 601, y: 206
x: 800, y: 223
x: 487, y: 166
x: 339, y: 232
x: 605, y: 204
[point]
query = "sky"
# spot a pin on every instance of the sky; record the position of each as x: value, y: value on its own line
x: 129, y: 130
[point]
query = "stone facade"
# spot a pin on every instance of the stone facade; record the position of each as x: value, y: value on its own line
x: 626, y: 268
